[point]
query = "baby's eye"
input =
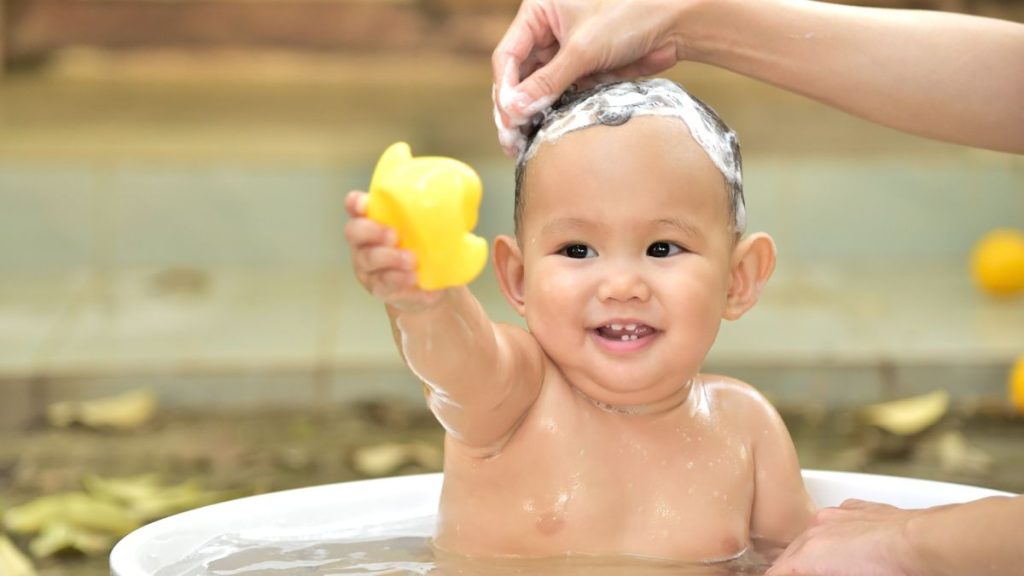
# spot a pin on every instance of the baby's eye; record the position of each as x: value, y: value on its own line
x: 577, y: 251
x: 663, y: 249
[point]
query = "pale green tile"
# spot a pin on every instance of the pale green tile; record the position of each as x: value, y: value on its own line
x: 224, y: 215
x: 48, y: 216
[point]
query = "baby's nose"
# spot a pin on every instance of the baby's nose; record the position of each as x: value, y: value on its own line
x: 623, y: 286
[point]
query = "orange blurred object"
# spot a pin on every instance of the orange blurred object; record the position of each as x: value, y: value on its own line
x: 1017, y: 385
x: 997, y: 262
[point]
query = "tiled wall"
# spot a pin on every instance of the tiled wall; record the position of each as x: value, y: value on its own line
x: 57, y: 216
x: 211, y: 264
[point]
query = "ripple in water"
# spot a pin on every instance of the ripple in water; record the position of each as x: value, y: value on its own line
x: 413, y: 555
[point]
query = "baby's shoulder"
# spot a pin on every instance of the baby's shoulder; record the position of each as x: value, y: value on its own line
x: 738, y: 400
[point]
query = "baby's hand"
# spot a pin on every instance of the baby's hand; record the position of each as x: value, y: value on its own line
x: 385, y: 270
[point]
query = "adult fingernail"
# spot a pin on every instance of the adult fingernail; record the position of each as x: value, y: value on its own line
x: 521, y: 102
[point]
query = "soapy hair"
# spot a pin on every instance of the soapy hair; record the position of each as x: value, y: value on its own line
x: 614, y: 104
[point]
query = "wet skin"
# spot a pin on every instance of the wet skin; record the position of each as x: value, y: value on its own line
x: 623, y: 269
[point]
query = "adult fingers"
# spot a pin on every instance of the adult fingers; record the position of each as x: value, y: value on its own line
x: 507, y: 118
x: 826, y: 515
x: 540, y: 89
x: 855, y: 504
x: 530, y: 28
x: 866, y: 506
x: 539, y: 57
x: 784, y: 563
x: 658, y: 61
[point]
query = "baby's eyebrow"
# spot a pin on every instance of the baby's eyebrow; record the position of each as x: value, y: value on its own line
x: 682, y: 225
x: 562, y: 224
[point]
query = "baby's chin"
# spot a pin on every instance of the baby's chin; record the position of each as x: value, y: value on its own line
x: 616, y: 399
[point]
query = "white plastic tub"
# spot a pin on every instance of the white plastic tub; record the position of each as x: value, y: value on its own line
x: 305, y: 513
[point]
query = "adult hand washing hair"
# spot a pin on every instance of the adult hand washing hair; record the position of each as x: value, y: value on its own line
x: 950, y: 77
x: 553, y: 44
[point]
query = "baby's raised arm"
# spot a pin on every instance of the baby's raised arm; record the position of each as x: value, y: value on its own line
x: 480, y: 378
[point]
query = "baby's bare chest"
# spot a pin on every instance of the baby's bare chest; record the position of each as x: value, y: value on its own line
x: 682, y: 492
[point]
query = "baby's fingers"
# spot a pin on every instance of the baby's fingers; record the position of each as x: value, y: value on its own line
x: 375, y: 259
x: 355, y: 203
x: 363, y: 232
x: 391, y: 284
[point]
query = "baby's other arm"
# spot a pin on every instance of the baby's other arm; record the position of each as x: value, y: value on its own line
x: 782, y: 509
x: 480, y: 378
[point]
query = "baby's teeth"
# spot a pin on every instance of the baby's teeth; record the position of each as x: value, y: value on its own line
x: 633, y: 337
x: 630, y: 327
x: 625, y: 337
x: 616, y: 326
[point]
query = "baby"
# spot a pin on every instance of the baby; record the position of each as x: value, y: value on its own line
x: 592, y: 432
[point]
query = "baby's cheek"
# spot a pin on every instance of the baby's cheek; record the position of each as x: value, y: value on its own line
x: 553, y: 291
x: 701, y: 312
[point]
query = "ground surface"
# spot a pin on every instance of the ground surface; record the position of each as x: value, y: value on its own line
x: 260, y: 452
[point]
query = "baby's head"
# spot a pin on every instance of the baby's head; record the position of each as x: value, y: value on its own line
x: 629, y: 247
x: 615, y: 104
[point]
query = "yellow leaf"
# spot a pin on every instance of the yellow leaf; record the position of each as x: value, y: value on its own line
x: 12, y: 561
x: 123, y: 411
x: 74, y: 508
x: 61, y: 536
x: 908, y: 416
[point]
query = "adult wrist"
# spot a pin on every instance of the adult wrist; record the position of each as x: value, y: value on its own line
x: 702, y: 28
x: 916, y: 550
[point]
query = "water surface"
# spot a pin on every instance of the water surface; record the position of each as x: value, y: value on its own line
x: 406, y: 549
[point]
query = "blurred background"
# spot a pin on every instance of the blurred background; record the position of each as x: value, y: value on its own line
x: 176, y: 299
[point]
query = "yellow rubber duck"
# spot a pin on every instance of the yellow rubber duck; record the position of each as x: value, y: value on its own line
x: 432, y: 203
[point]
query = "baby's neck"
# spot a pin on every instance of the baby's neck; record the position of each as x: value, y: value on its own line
x: 658, y: 407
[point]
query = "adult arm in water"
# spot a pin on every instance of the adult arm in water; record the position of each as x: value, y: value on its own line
x: 978, y: 538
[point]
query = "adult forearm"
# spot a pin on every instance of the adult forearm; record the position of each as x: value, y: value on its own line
x: 975, y: 539
x: 952, y: 77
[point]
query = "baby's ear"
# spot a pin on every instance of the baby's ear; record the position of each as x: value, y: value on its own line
x: 508, y: 262
x: 753, y: 261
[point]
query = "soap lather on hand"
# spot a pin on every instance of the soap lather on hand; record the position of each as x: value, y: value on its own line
x: 432, y: 203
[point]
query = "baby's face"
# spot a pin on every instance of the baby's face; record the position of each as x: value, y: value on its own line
x: 627, y: 244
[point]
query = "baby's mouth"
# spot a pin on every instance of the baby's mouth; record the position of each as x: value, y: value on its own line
x: 624, y: 332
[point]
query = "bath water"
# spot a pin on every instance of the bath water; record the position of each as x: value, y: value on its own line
x: 405, y: 549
